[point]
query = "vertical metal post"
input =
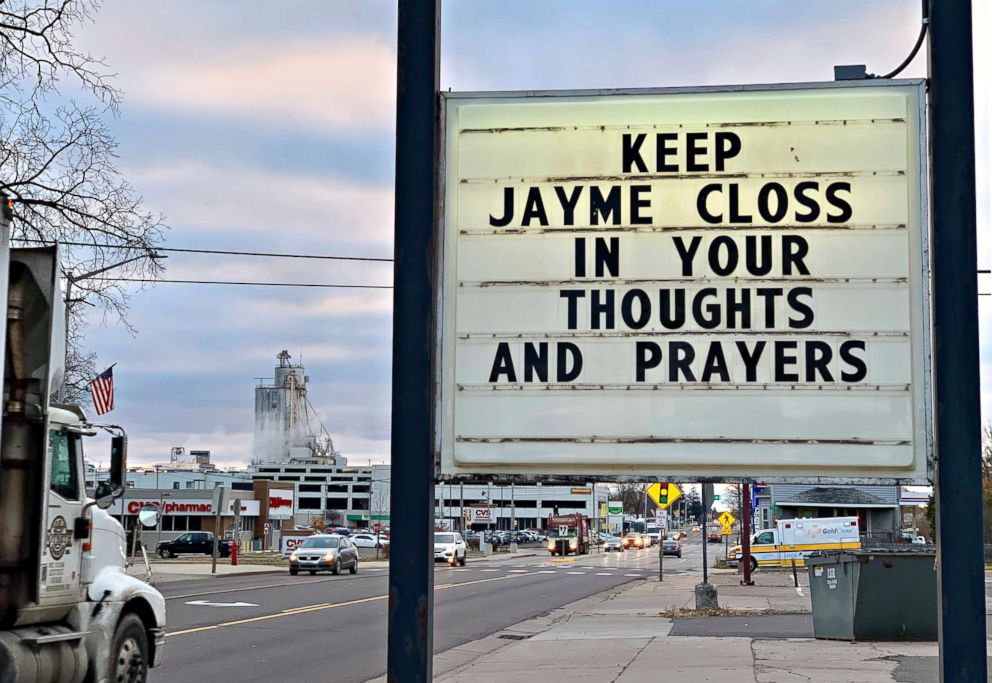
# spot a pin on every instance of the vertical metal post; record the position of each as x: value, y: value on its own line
x: 705, y: 516
x: 960, y: 560
x: 411, y: 570
x: 461, y: 506
x: 745, y: 558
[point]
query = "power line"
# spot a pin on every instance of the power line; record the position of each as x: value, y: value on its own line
x: 240, y: 283
x: 221, y: 252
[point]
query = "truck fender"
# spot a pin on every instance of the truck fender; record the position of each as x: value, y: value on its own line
x: 112, y: 595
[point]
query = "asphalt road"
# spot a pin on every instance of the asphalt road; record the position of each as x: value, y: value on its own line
x: 274, y: 627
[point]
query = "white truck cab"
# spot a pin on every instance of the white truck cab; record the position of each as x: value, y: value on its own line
x: 68, y: 610
x: 795, y: 539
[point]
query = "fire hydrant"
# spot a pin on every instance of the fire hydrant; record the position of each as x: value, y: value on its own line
x: 234, y: 554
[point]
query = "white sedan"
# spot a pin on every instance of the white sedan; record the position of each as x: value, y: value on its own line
x: 368, y: 540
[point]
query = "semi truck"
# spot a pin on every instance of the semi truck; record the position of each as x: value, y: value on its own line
x: 568, y: 534
x: 796, y: 539
x: 68, y: 611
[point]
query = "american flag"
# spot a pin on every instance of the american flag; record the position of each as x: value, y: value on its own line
x: 102, y: 390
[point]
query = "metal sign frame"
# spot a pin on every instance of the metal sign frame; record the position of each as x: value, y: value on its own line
x: 921, y: 472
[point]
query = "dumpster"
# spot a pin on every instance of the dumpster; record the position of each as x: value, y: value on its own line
x: 874, y: 594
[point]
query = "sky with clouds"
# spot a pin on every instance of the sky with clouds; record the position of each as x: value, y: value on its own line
x: 255, y: 128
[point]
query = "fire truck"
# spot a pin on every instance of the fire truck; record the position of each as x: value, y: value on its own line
x: 568, y: 534
x: 68, y: 610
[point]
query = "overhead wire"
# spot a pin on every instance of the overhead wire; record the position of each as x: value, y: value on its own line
x: 222, y: 252
x: 242, y: 283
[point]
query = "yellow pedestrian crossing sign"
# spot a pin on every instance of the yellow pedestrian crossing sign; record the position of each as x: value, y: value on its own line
x: 726, y: 519
x: 664, y: 495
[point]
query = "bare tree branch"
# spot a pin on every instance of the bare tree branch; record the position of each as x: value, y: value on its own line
x: 58, y: 161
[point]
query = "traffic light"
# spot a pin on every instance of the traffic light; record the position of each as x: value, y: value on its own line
x: 663, y: 495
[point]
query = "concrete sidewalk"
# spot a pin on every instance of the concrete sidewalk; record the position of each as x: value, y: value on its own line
x: 626, y: 635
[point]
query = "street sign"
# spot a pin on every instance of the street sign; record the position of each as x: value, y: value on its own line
x: 726, y: 519
x: 726, y: 530
x: 377, y: 527
x: 618, y: 270
x: 266, y: 529
x: 664, y: 495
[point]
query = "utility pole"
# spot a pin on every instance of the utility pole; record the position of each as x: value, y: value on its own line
x: 745, y: 557
x: 70, y: 280
x: 954, y: 259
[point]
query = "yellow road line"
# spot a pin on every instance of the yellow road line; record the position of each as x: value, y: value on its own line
x: 293, y: 611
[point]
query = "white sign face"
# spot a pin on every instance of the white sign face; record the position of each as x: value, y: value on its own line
x: 281, y: 503
x: 725, y: 283
x: 480, y: 516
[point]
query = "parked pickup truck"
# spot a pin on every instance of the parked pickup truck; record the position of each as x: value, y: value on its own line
x: 193, y: 543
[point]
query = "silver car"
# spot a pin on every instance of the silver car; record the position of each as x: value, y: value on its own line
x: 324, y: 552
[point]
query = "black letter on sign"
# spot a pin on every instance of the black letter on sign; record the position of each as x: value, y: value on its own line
x: 648, y: 356
x: 751, y: 251
x: 672, y: 312
x: 605, y: 307
x: 783, y: 361
x: 536, y: 361
x: 764, y: 203
x: 580, y: 257
x: 573, y: 296
x: 687, y: 253
x: 818, y: 355
x: 568, y: 203
x: 503, y: 364
x: 637, y: 202
x: 728, y: 145
x: 507, y: 210
x: 608, y: 258
x: 860, y: 369
x: 800, y: 307
x: 534, y: 208
x: 715, y: 363
x: 735, y: 206
x: 814, y: 207
x: 795, y: 249
x: 682, y: 354
x: 694, y: 151
x: 845, y: 206
x: 632, y: 153
x: 751, y: 358
x: 701, y: 198
x: 732, y: 256
x: 627, y: 309
x: 566, y: 349
x: 604, y: 206
x: 663, y: 151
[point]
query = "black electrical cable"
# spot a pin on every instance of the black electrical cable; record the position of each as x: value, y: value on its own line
x: 222, y: 252
x: 916, y: 48
x: 239, y: 283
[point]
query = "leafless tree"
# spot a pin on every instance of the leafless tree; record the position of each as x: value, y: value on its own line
x: 58, y: 160
x: 633, y: 497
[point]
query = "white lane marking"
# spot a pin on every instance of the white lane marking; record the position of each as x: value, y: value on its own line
x: 603, y: 574
x: 463, y: 570
x: 488, y: 570
x: 207, y: 603
x: 517, y: 571
x: 547, y: 571
x: 631, y: 574
x: 575, y: 573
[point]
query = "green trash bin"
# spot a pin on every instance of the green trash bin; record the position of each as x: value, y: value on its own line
x: 874, y: 594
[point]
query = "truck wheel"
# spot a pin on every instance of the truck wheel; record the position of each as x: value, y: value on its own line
x: 129, y: 651
x: 754, y: 565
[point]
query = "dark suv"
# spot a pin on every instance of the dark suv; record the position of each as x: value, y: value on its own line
x: 193, y: 543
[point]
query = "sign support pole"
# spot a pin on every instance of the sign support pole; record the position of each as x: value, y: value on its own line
x: 706, y: 525
x: 745, y: 557
x: 411, y: 570
x: 960, y: 561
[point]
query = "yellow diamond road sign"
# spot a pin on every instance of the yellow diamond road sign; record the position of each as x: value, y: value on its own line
x: 726, y: 519
x: 664, y: 494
